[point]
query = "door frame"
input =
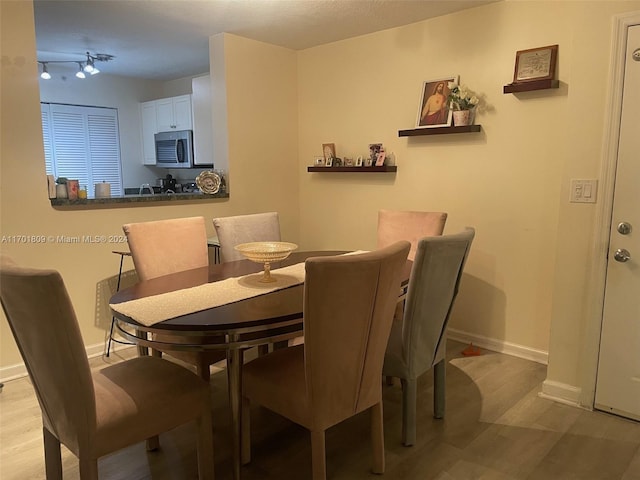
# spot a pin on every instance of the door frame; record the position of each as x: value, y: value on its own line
x: 600, y: 244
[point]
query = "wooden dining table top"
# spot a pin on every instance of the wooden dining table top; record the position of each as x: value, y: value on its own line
x: 280, y: 305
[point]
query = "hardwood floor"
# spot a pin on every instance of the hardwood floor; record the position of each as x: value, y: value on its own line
x: 496, y: 427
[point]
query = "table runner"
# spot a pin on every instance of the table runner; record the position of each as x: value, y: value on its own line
x: 158, y: 308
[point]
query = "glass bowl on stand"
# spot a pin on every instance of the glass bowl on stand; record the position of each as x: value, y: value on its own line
x: 266, y: 253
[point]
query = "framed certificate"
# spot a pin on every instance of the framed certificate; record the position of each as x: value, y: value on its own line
x: 536, y: 64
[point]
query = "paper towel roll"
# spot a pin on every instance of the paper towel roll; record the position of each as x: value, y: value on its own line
x: 103, y: 190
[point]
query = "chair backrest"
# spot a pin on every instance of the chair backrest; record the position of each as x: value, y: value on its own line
x: 395, y: 225
x: 44, y: 326
x: 167, y: 246
x: 232, y: 231
x: 349, y: 302
x: 435, y: 279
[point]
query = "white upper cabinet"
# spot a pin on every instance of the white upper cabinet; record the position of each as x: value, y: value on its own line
x: 164, y: 115
x: 174, y: 113
x: 149, y: 129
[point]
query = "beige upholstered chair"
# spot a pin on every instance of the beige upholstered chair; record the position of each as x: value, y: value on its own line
x: 335, y: 374
x: 395, y: 225
x: 418, y: 343
x: 232, y: 231
x: 168, y: 246
x: 94, y: 414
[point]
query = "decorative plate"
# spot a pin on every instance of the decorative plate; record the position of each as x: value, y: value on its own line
x: 208, y: 182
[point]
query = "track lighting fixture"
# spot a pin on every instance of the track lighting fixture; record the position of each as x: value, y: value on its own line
x: 80, y: 72
x: 45, y: 75
x: 86, y: 66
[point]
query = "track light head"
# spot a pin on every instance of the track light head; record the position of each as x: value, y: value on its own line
x: 45, y: 75
x: 80, y: 73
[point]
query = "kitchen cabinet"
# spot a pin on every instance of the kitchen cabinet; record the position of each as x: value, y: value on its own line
x: 174, y: 113
x: 163, y: 115
x: 149, y: 129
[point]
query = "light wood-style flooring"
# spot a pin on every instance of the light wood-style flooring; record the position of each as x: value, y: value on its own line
x: 496, y: 427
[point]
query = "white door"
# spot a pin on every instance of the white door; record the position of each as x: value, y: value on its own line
x: 618, y: 381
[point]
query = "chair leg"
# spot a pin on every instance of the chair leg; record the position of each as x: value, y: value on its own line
x: 52, y: 455
x: 246, y: 431
x: 203, y: 371
x: 409, y: 392
x: 439, y: 376
x: 88, y: 468
x: 377, y: 438
x: 205, y: 446
x: 318, y: 456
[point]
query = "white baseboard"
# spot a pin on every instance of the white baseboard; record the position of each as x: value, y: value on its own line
x: 520, y: 351
x: 561, y: 393
x: 19, y: 370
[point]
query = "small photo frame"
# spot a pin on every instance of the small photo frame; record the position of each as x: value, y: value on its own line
x: 359, y: 161
x: 328, y: 162
x: 348, y: 162
x: 374, y: 150
x: 319, y: 162
x: 328, y: 151
x: 380, y: 159
x: 434, y: 108
x: 535, y: 64
x: 368, y: 162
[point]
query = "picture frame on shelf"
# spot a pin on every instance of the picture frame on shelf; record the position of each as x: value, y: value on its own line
x: 535, y: 64
x: 434, y: 110
x: 374, y: 150
x: 359, y: 161
x: 328, y: 162
x: 380, y: 158
x: 328, y: 151
x: 319, y: 162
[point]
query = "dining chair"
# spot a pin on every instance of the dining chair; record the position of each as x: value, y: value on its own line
x: 335, y: 374
x: 168, y: 246
x: 394, y: 225
x: 418, y: 343
x: 232, y: 231
x: 94, y: 413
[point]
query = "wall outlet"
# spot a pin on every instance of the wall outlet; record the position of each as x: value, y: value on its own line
x: 583, y: 191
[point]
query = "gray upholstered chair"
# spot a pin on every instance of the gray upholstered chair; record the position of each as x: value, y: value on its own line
x: 418, y: 343
x: 163, y: 247
x: 232, y: 231
x: 348, y: 310
x: 97, y: 413
x: 395, y: 225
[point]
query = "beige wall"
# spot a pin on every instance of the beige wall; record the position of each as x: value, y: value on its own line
x: 527, y: 273
x: 526, y: 281
x: 263, y: 167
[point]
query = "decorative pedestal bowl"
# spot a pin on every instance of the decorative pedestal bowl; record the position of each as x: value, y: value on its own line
x: 266, y: 253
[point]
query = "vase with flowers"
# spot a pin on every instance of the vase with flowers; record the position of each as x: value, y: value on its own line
x: 463, y: 102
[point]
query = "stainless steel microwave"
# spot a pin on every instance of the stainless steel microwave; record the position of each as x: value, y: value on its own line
x: 174, y: 149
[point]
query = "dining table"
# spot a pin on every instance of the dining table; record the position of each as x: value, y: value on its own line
x: 270, y: 314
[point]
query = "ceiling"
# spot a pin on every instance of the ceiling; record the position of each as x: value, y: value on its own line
x: 165, y: 40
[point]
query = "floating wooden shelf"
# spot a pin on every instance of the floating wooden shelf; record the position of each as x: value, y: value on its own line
x: 383, y: 169
x: 439, y: 130
x: 529, y: 86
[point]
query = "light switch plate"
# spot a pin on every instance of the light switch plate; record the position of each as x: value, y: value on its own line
x: 583, y: 191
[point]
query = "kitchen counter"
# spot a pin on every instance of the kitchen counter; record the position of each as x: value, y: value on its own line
x: 136, y: 200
